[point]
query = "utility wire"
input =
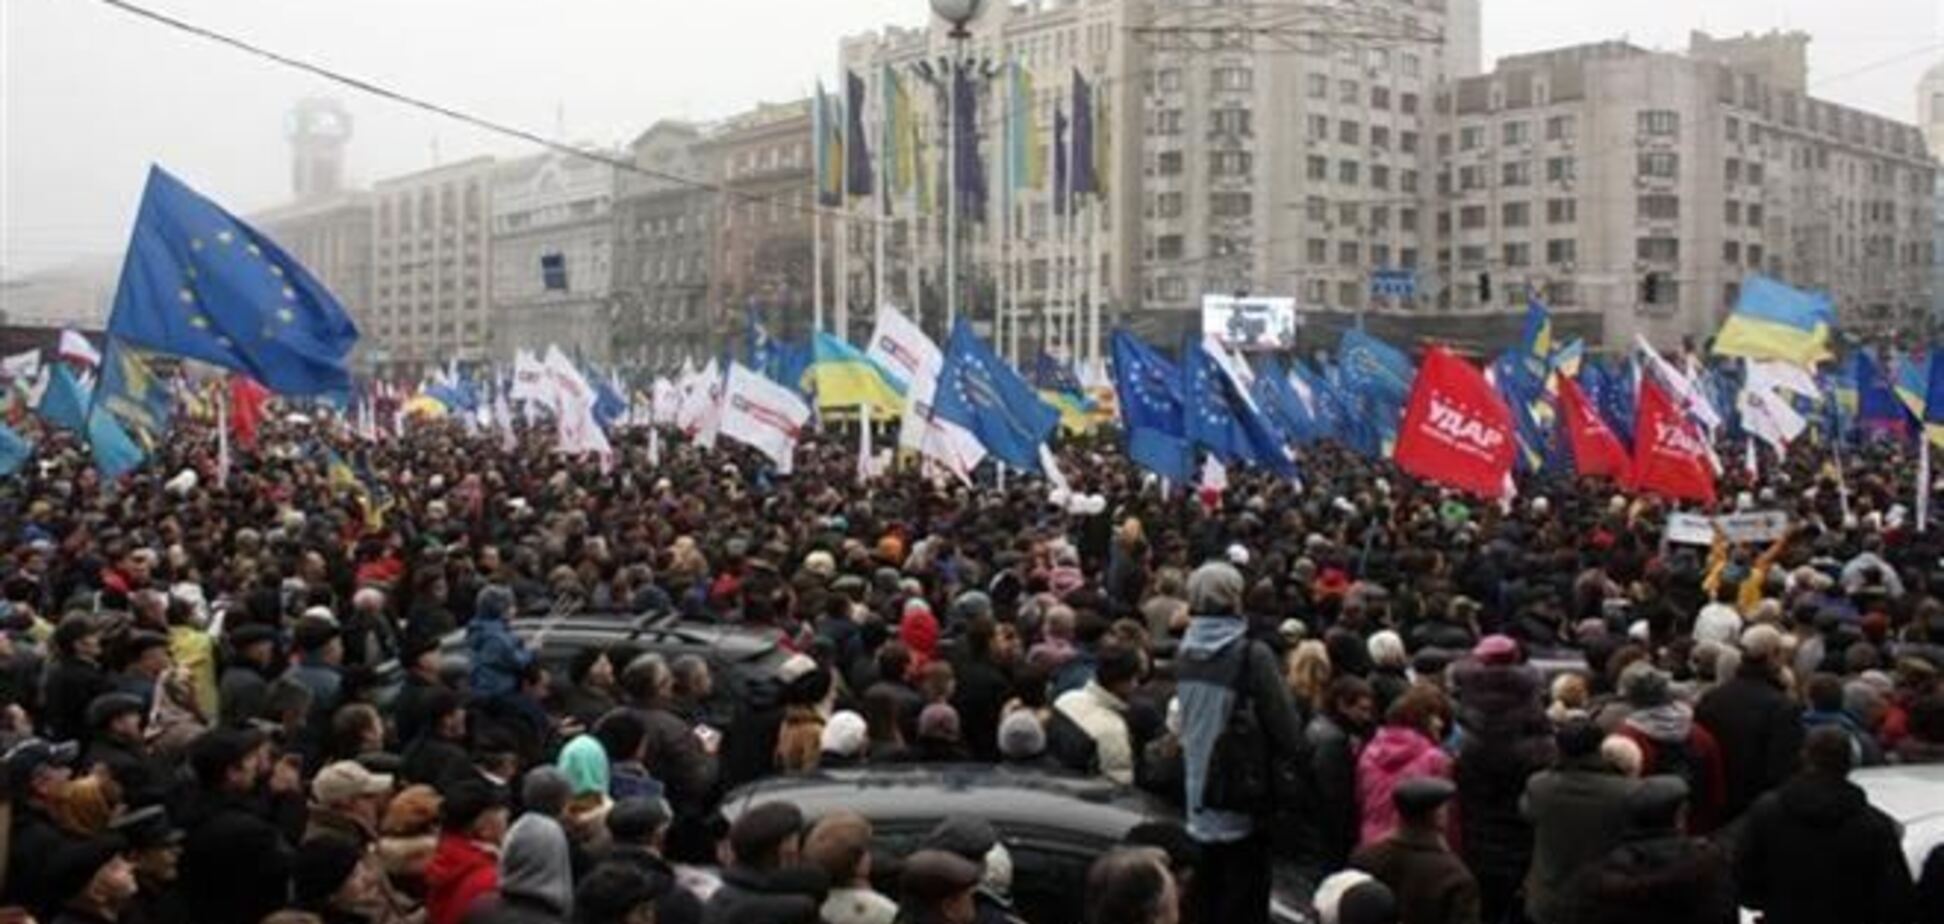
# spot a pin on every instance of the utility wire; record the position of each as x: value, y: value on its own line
x: 398, y: 96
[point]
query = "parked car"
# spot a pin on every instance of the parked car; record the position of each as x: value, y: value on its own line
x: 1054, y: 824
x: 742, y: 658
x: 1914, y: 797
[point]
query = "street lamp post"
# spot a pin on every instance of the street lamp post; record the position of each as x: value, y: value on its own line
x: 958, y: 13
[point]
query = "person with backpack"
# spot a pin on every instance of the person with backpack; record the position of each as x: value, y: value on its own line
x: 1090, y: 732
x: 1240, y: 740
x: 1673, y: 744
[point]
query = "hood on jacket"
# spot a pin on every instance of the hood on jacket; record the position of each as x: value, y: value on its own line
x: 1394, y: 747
x: 534, y: 864
x: 1208, y: 636
x: 1671, y: 722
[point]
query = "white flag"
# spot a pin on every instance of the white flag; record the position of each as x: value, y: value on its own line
x: 76, y: 348
x: 529, y: 379
x: 21, y: 367
x: 899, y: 347
x: 564, y: 384
x: 665, y: 401
x: 699, y: 393
x: 763, y: 415
x: 503, y: 419
x: 579, y: 432
x: 1685, y: 391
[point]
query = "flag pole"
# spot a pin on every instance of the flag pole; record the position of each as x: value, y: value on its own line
x: 1923, y: 479
x: 952, y: 78
x: 222, y: 436
x: 816, y: 267
x: 840, y: 313
x: 1002, y: 309
x: 882, y: 189
x: 863, y: 443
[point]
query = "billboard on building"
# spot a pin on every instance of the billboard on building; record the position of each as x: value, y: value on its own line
x: 1253, y: 322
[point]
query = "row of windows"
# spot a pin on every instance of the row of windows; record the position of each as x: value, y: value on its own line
x: 1511, y: 134
x: 1350, y: 93
x: 1353, y: 133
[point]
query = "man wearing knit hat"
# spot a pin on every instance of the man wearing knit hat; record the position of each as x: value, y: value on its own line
x: 1754, y: 721
x: 1216, y: 660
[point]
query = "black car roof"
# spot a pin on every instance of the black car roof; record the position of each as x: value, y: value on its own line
x: 919, y: 795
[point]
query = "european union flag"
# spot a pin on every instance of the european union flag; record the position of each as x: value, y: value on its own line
x: 979, y: 392
x: 1279, y: 401
x: 1146, y: 386
x: 64, y: 404
x: 1877, y: 406
x: 1371, y: 368
x: 1321, y: 399
x: 761, y: 346
x: 609, y: 405
x: 1221, y: 418
x: 14, y: 450
x: 200, y: 283
x: 1050, y: 374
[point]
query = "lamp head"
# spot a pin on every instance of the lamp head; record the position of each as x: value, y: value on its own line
x: 956, y: 12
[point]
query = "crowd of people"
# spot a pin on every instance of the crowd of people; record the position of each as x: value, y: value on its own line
x: 236, y: 697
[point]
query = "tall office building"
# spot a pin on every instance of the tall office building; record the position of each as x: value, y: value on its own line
x: 663, y: 240
x: 1643, y: 186
x: 432, y: 257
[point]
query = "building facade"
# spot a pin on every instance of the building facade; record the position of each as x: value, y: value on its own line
x: 664, y: 237
x: 552, y: 269
x: 432, y: 262
x: 1930, y: 117
x: 761, y: 220
x: 1644, y: 186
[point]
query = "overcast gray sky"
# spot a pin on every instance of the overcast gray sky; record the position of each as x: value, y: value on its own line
x: 89, y: 96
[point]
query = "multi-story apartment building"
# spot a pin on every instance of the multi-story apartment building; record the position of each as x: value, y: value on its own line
x: 1643, y: 187
x: 432, y: 254
x: 552, y: 229
x: 1930, y: 117
x: 760, y: 163
x: 664, y: 237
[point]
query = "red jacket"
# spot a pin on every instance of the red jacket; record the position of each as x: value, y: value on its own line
x: 461, y: 872
x: 1705, y: 772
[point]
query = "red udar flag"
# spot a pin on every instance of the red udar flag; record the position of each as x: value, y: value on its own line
x: 1596, y: 451
x: 1670, y: 457
x: 1457, y: 431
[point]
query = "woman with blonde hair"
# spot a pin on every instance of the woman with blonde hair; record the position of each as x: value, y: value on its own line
x: 1307, y: 671
x: 86, y: 804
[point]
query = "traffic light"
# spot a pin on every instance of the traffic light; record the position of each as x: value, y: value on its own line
x: 1484, y: 287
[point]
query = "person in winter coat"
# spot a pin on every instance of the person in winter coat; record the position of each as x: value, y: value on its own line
x: 330, y: 880
x: 1578, y: 812
x: 1658, y: 874
x: 1405, y: 747
x: 1431, y: 884
x: 1815, y: 850
x: 639, y: 830
x: 1825, y: 707
x: 1215, y: 661
x: 235, y: 861
x: 246, y: 677
x: 438, y: 754
x: 764, y: 882
x: 840, y: 845
x: 1336, y: 736
x: 465, y: 866
x: 1754, y: 721
x: 1506, y: 738
x: 676, y: 754
x: 984, y: 673
x: 74, y: 678
x: 116, y: 719
x: 536, y: 881
x: 408, y: 837
x: 498, y: 657
x: 584, y: 763
x: 1100, y: 710
x: 1672, y: 743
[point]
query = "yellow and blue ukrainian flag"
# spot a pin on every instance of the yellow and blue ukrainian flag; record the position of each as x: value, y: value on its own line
x: 1775, y: 321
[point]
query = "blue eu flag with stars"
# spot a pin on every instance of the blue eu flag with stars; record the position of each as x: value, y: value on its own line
x: 200, y: 283
x: 1220, y: 417
x: 978, y: 391
x: 1145, y: 385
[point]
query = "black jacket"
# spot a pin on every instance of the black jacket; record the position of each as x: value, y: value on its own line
x: 1815, y: 851
x: 143, y: 779
x: 241, y: 692
x: 71, y: 684
x: 1578, y: 814
x: 1666, y: 880
x: 1431, y: 884
x: 982, y: 690
x: 409, y: 711
x: 235, y: 863
x: 677, y: 905
x: 783, y: 896
x: 434, y: 761
x: 1333, y: 764
x: 1760, y: 732
x: 34, y: 841
x: 676, y: 758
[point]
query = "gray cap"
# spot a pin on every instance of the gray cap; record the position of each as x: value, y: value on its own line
x: 968, y: 836
x: 1419, y: 796
x: 635, y: 819
x: 1021, y: 736
x: 1215, y: 587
